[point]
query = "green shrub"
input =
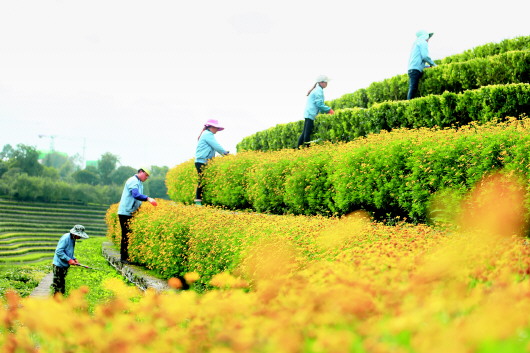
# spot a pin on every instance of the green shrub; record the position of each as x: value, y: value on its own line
x: 444, y: 110
x: 389, y: 173
x: 307, y: 189
x: 489, y: 49
x: 181, y: 182
x: 174, y: 239
x: 231, y: 176
x: 265, y: 182
x: 457, y: 76
x: 23, y: 279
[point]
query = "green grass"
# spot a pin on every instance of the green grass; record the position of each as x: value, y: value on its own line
x: 17, y: 240
x: 22, y: 278
x: 13, y: 237
x: 30, y: 218
x: 17, y: 203
x: 29, y: 235
x: 30, y: 208
x: 25, y: 250
x: 26, y: 259
x: 56, y: 230
x: 89, y: 253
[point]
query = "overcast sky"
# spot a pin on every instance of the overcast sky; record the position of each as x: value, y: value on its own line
x: 139, y: 78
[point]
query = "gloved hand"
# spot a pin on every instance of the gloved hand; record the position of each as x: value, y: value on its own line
x: 73, y: 262
x: 331, y: 111
x: 152, y: 201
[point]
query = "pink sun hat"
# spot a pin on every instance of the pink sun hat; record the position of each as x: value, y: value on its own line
x: 214, y: 123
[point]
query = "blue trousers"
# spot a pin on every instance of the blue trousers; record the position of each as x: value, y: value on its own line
x: 306, y: 134
x: 414, y: 81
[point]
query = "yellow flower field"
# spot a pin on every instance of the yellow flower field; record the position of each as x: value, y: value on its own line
x: 353, y: 286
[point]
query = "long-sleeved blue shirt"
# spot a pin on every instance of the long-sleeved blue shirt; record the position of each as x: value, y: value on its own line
x: 207, y: 146
x: 315, y: 103
x: 419, y: 54
x: 64, y: 251
x: 132, y: 196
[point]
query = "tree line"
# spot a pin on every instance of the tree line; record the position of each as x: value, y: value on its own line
x: 58, y: 177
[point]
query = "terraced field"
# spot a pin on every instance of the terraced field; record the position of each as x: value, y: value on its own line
x: 29, y: 231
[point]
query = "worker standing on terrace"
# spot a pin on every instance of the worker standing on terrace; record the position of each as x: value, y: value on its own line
x: 131, y: 199
x: 315, y: 104
x: 419, y: 57
x: 206, y: 148
x: 64, y: 257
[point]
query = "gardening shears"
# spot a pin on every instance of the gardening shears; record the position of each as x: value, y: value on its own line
x: 90, y: 268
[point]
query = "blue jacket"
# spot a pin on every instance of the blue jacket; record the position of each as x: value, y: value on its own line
x: 132, y: 196
x: 64, y: 251
x: 315, y: 103
x: 206, y: 147
x: 419, y: 54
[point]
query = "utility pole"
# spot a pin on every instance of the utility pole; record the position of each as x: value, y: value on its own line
x: 84, y: 150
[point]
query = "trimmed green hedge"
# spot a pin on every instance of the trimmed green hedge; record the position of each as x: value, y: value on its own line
x: 390, y: 174
x: 505, y: 68
x: 489, y: 49
x: 445, y: 110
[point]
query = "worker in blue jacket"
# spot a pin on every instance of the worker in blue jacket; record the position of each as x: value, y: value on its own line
x: 131, y: 199
x: 64, y: 257
x: 314, y: 106
x: 206, y: 148
x: 419, y: 57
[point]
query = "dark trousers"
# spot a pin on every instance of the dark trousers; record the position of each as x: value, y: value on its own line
x: 124, y: 248
x: 414, y: 82
x: 306, y: 134
x: 200, y: 168
x: 59, y: 279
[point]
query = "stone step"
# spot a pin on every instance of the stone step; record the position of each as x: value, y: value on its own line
x: 135, y: 274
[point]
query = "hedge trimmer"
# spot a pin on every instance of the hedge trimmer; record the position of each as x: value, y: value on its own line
x: 90, y: 268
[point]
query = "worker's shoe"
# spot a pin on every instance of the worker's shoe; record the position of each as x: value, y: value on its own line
x: 198, y: 202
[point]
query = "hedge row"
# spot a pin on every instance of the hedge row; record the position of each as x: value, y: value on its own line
x: 30, y: 188
x: 489, y: 49
x: 510, y: 67
x: 175, y: 239
x: 444, y: 110
x: 391, y: 174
